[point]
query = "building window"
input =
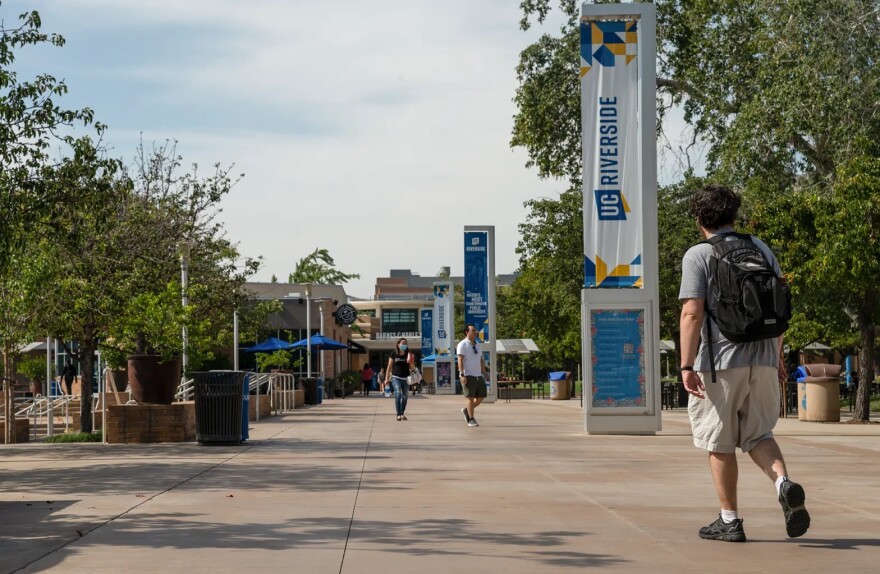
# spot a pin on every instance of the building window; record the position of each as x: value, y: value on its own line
x: 400, y: 321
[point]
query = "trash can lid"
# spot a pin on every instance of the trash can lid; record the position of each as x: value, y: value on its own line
x: 559, y: 375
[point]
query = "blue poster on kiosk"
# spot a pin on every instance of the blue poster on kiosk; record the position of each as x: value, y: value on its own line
x: 618, y: 355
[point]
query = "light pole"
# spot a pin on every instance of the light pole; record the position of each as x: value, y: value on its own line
x: 185, y: 248
x: 235, y: 339
x: 309, y: 330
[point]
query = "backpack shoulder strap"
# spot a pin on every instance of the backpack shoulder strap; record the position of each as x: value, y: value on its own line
x: 716, y: 239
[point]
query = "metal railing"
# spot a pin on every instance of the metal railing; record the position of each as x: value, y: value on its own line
x: 39, y: 410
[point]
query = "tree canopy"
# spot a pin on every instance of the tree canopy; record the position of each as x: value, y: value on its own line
x: 320, y: 268
x: 790, y: 118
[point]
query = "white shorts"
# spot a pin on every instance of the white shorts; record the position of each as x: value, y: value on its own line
x: 740, y: 409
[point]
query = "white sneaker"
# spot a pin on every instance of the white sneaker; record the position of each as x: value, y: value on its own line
x: 473, y: 423
x: 467, y: 419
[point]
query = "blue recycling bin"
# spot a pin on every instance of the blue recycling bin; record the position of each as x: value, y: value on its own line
x: 560, y: 385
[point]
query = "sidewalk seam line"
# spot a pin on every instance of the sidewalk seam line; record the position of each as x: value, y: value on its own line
x: 358, y: 491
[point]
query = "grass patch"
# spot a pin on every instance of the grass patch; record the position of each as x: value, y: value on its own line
x: 75, y: 437
x: 578, y: 389
x: 875, y: 404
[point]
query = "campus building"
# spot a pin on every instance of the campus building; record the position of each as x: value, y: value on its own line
x: 306, y: 309
x: 394, y: 312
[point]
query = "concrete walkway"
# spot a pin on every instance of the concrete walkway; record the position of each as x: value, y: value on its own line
x: 345, y: 488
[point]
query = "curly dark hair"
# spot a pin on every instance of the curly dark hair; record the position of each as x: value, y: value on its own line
x: 714, y: 206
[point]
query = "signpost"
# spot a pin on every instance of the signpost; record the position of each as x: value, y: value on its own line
x: 619, y: 303
x: 443, y: 327
x: 479, y: 294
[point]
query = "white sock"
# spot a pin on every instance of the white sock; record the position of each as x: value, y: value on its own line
x: 729, y: 515
x: 779, y: 482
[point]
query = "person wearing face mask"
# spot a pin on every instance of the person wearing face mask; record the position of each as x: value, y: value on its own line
x: 400, y: 363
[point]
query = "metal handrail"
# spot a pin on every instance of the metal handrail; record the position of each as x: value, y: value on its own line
x: 185, y: 390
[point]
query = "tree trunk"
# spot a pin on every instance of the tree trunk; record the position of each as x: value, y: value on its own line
x: 87, y: 362
x: 862, y: 410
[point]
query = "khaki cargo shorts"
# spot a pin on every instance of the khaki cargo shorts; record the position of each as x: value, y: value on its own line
x: 740, y: 409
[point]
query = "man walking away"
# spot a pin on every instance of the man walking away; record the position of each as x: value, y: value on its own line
x: 472, y: 370
x: 731, y: 342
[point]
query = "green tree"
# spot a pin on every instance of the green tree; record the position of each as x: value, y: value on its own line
x: 847, y: 255
x: 84, y: 252
x: 772, y: 97
x: 30, y: 121
x: 117, y: 252
x: 677, y: 232
x: 543, y: 303
x: 780, y: 107
x: 319, y: 267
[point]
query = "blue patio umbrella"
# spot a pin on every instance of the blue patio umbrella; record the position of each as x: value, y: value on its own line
x: 270, y: 345
x: 429, y: 360
x: 320, y: 343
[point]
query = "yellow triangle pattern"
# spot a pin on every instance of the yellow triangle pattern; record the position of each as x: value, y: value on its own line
x: 620, y: 271
x: 617, y: 49
x: 629, y: 59
x: 601, y: 270
x: 584, y: 70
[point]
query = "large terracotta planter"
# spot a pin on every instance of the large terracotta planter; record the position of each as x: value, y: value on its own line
x: 120, y: 379
x: 153, y: 382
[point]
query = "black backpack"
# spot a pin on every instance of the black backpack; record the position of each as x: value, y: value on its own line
x: 751, y: 301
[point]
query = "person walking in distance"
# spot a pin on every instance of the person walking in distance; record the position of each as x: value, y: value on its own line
x: 472, y: 370
x: 366, y: 379
x: 735, y: 307
x: 68, y: 374
x: 400, y: 363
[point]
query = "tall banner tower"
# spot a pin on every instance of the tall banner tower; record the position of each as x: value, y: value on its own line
x: 479, y: 295
x: 443, y: 325
x: 620, y: 308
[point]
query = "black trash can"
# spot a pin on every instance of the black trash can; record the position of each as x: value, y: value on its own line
x: 310, y: 390
x: 218, y: 397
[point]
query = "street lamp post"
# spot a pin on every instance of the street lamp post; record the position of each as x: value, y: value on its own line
x: 185, y: 248
x: 309, y: 330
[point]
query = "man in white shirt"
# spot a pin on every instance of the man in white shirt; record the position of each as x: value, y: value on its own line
x: 472, y: 369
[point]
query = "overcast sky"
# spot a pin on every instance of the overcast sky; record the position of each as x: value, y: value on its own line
x: 377, y: 130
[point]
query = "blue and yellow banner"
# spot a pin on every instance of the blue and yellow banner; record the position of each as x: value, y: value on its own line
x: 613, y: 231
x: 443, y: 319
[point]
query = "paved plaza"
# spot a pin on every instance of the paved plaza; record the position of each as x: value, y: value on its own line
x: 345, y: 488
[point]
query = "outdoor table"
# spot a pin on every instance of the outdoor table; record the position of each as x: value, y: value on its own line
x: 513, y: 384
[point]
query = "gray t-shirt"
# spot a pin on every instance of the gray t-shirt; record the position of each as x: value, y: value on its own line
x: 696, y: 283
